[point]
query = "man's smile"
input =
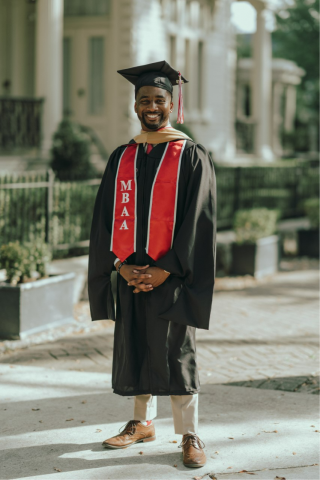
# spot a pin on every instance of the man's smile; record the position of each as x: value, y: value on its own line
x: 152, y: 116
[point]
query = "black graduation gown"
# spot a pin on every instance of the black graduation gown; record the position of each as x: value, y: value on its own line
x: 154, y: 338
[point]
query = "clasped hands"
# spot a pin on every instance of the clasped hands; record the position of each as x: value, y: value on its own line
x: 145, y: 278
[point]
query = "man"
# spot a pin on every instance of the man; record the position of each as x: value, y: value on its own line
x: 154, y: 222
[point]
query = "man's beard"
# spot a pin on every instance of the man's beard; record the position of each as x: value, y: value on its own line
x: 152, y: 126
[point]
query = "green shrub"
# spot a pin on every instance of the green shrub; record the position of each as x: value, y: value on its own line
x: 40, y: 255
x: 311, y: 207
x: 70, y: 153
x: 250, y: 225
x: 12, y: 259
x: 184, y: 129
x: 21, y: 262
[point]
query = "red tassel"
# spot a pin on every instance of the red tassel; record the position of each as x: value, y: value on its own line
x: 180, y: 118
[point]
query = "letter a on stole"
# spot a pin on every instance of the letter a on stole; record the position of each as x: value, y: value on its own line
x: 123, y: 238
x: 163, y: 203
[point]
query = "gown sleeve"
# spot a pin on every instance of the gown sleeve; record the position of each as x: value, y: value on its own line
x: 101, y: 259
x: 192, y: 256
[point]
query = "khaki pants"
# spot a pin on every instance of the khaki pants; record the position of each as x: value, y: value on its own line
x: 184, y: 411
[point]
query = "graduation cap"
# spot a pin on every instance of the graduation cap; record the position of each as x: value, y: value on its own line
x: 158, y: 74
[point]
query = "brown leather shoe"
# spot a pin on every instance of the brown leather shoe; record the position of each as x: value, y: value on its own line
x: 193, y: 455
x: 133, y: 432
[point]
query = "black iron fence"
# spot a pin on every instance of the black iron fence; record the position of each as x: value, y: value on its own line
x: 285, y: 187
x: 34, y: 205
x: 20, y: 122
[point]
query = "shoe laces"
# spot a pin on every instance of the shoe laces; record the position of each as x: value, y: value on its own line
x: 129, y: 427
x: 194, y: 440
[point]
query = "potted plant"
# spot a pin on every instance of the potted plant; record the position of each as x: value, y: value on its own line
x: 256, y: 249
x: 308, y: 238
x: 30, y: 299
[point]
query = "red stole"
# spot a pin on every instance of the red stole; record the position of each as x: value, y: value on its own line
x: 163, y: 203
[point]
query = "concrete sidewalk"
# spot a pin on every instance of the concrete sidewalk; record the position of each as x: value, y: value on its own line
x: 57, y: 405
x: 53, y: 423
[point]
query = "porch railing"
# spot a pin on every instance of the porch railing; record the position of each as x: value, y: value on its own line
x: 20, y: 122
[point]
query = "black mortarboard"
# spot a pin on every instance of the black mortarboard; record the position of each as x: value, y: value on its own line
x: 158, y: 74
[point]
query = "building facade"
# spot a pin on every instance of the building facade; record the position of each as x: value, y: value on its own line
x: 60, y: 58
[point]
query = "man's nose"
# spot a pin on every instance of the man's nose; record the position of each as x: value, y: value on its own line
x: 153, y: 106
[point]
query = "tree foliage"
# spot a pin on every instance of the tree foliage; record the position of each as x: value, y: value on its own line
x: 297, y: 38
x: 297, y: 35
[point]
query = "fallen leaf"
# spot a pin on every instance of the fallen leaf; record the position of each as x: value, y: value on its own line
x: 98, y: 430
x: 35, y: 409
x: 40, y: 421
x: 57, y: 469
x: 317, y: 431
x: 281, y: 478
x: 314, y: 464
x: 243, y: 471
x: 84, y: 401
x: 69, y: 419
x: 212, y: 476
x: 217, y: 452
x: 273, y: 431
x: 175, y: 465
x: 229, y: 467
x: 294, y: 453
x: 197, y: 478
x: 231, y: 438
x: 173, y: 441
x: 83, y: 421
x: 312, y: 425
x: 140, y: 453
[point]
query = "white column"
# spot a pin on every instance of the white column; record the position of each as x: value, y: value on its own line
x: 277, y: 118
x: 48, y: 75
x: 262, y: 84
x: 290, y: 108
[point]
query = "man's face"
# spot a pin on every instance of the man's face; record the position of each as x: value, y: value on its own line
x: 153, y: 106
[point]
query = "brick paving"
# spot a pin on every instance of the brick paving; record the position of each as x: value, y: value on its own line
x: 263, y: 334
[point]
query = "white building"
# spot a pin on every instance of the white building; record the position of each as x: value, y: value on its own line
x: 67, y: 52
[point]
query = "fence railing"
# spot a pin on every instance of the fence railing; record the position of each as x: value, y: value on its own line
x: 34, y: 205
x: 20, y: 122
x: 283, y: 187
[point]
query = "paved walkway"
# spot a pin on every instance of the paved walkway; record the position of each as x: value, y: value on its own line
x: 57, y: 405
x: 259, y: 330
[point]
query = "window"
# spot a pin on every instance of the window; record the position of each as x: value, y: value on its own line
x: 173, y: 10
x: 172, y: 51
x: 200, y: 76
x: 188, y: 13
x: 74, y: 8
x: 186, y: 73
x: 96, y: 76
x: 247, y: 100
x: 66, y: 76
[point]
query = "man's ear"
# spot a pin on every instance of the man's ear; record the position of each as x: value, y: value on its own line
x: 135, y: 107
